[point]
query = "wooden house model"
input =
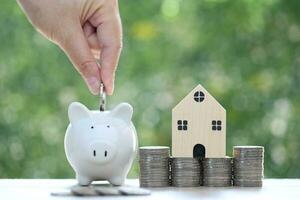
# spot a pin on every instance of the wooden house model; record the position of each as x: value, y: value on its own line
x: 198, y: 126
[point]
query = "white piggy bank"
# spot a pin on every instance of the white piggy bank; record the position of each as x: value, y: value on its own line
x: 100, y: 145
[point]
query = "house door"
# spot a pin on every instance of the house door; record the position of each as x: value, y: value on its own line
x: 199, y: 151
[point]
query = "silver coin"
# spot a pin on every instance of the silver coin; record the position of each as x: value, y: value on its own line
x: 83, y: 191
x: 125, y: 190
x: 154, y: 166
x: 226, y: 184
x: 186, y: 172
x: 61, y: 193
x: 107, y: 191
x: 159, y: 184
x: 247, y: 183
x: 248, y: 166
x: 257, y: 177
x: 186, y: 185
x: 220, y: 160
x: 243, y: 148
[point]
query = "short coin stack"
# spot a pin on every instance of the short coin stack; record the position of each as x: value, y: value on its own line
x: 248, y: 166
x: 186, y: 172
x: 217, y: 172
x: 154, y: 166
x: 101, y: 190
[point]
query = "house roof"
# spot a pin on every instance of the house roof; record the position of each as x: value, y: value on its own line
x: 208, y: 96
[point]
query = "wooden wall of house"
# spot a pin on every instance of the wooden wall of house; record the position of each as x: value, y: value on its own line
x: 205, y: 124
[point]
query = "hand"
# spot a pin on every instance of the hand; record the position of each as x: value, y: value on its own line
x: 86, y: 30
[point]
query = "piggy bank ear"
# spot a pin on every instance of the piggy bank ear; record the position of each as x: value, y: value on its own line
x: 123, y: 111
x: 77, y: 111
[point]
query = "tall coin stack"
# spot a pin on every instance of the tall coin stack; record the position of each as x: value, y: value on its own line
x: 248, y: 166
x: 154, y: 166
x: 217, y: 172
x: 186, y: 172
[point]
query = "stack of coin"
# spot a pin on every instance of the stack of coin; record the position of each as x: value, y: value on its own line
x: 154, y: 166
x: 248, y: 166
x: 186, y: 172
x: 102, y: 190
x: 217, y: 172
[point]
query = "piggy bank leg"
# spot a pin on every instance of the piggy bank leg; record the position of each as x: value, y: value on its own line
x: 117, y: 180
x: 83, y: 180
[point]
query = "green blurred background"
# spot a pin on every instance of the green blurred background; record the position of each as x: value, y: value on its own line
x: 245, y: 52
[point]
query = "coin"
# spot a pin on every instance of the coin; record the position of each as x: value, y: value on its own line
x: 83, y: 191
x: 217, y: 172
x: 186, y: 172
x: 133, y: 191
x: 107, y: 191
x: 154, y: 166
x: 248, y: 166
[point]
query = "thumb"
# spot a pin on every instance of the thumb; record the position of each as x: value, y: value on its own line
x: 76, y: 47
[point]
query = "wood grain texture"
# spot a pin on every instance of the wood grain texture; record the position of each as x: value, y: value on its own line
x: 199, y: 116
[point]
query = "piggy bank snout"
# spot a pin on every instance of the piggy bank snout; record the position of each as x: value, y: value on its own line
x: 101, y: 152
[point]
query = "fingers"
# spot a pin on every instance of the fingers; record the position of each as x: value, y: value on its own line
x: 90, y: 32
x: 76, y: 47
x: 110, y: 38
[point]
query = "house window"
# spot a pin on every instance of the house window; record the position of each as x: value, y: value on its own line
x: 199, y: 96
x: 216, y: 125
x: 182, y: 125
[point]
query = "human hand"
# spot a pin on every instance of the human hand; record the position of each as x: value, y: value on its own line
x: 86, y: 30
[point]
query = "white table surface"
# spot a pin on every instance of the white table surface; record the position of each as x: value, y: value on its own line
x: 281, y: 189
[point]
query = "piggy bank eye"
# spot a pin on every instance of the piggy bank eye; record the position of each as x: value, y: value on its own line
x: 92, y: 127
x: 108, y: 126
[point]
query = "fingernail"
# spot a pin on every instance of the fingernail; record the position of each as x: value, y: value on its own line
x: 94, y: 84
